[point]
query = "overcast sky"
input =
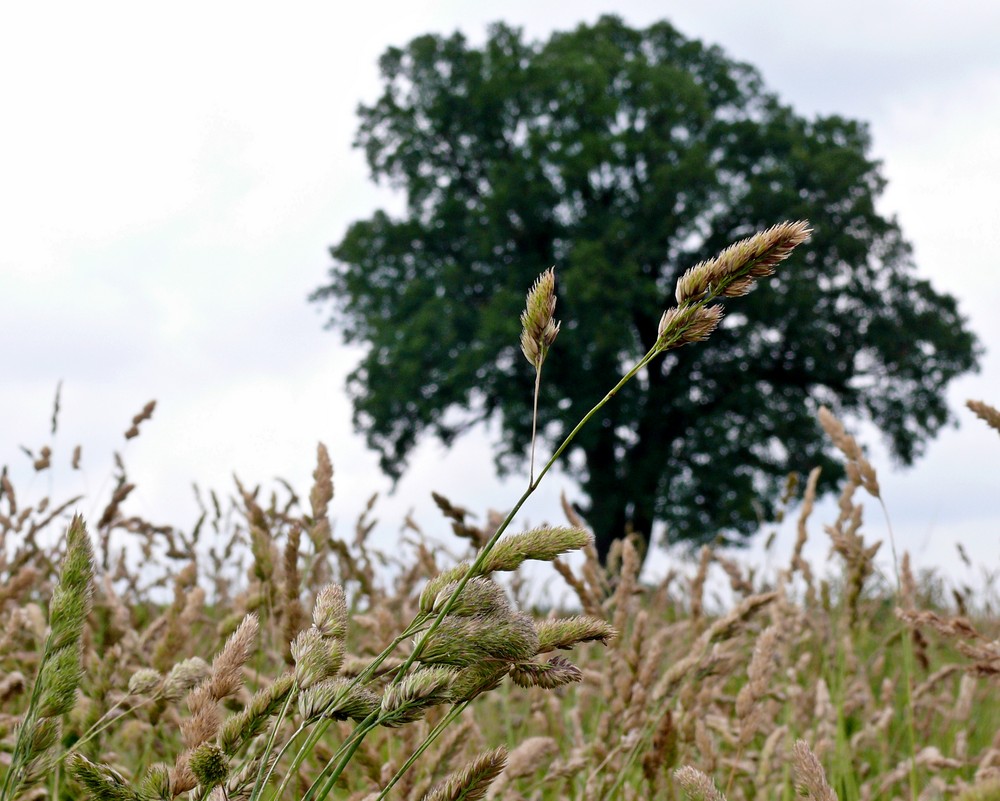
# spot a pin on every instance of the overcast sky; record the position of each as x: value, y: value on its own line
x: 172, y: 175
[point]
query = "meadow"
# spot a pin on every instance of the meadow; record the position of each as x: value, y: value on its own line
x: 292, y: 662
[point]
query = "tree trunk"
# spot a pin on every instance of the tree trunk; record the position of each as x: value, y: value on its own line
x: 623, y: 490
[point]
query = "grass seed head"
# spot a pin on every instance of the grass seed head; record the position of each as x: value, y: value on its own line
x: 410, y: 698
x: 468, y: 641
x: 543, y: 544
x: 330, y: 612
x: 988, y: 414
x: 209, y: 765
x: 316, y: 657
x: 429, y: 594
x: 810, y: 776
x: 337, y: 699
x: 682, y: 325
x: 697, y: 785
x: 184, y: 677
x: 480, y: 596
x: 59, y: 677
x: 473, y: 780
x: 538, y: 328
x: 71, y: 599
x: 144, y: 681
x: 242, y: 727
x: 564, y: 633
x: 547, y: 675
x: 476, y: 680
x: 156, y: 782
x: 100, y: 781
x: 530, y: 755
x: 735, y: 267
x: 227, y: 668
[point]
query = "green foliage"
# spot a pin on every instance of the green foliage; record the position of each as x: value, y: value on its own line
x: 624, y: 157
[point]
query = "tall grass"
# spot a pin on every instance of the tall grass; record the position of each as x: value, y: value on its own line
x: 329, y: 669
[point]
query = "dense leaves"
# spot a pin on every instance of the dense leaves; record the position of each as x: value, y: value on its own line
x: 623, y: 157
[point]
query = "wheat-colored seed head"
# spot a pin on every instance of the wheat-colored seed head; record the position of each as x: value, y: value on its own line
x: 759, y: 675
x: 184, y: 677
x: 539, y: 328
x: 986, y: 413
x: 227, y: 668
x: 859, y: 468
x: 697, y: 785
x: 809, y: 773
x: 330, y: 612
x: 145, y: 414
x: 682, y: 325
x: 316, y: 657
x: 529, y: 756
x: 144, y: 681
x: 733, y: 270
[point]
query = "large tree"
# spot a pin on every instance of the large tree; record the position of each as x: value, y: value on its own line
x: 623, y: 157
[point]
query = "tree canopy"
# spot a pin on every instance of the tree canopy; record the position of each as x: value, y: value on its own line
x: 623, y: 157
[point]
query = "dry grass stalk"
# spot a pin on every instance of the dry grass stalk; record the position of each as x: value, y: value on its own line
x: 697, y: 590
x: 697, y: 785
x: 23, y: 580
x: 205, y: 721
x: 624, y: 598
x: 765, y: 761
x: 459, y: 526
x: 947, y: 626
x: 473, y: 781
x: 317, y: 524
x: 749, y: 708
x: 111, y: 512
x: 847, y: 540
x: 802, y: 533
x: 530, y: 756
x: 698, y: 654
x: 848, y: 445
x: 662, y: 753
x: 929, y: 757
x: 988, y: 414
x: 588, y: 601
x: 810, y: 776
x: 292, y: 615
x: 145, y: 414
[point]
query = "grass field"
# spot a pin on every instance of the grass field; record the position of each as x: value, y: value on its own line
x: 258, y: 656
x: 892, y: 687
